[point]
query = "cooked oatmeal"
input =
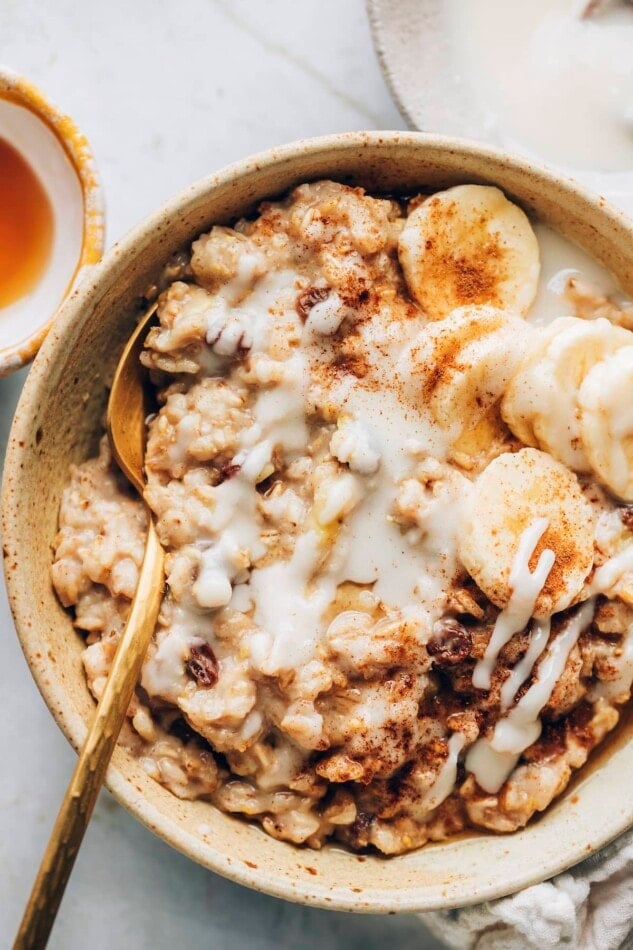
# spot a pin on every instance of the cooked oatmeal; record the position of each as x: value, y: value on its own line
x: 391, y: 473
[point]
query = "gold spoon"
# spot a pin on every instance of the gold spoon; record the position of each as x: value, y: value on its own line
x: 126, y: 429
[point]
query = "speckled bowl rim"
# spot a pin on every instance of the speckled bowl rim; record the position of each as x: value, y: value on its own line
x: 328, y: 894
x: 15, y: 88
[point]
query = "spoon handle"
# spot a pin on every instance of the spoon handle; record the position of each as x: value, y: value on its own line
x: 81, y: 794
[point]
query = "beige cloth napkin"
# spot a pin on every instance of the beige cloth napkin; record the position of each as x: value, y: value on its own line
x: 589, y: 907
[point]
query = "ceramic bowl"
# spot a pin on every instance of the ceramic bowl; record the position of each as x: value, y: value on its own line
x: 58, y: 420
x: 433, y: 89
x: 61, y: 158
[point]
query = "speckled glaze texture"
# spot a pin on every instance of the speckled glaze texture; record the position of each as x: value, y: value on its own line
x: 75, y: 144
x: 57, y: 423
x: 413, y: 49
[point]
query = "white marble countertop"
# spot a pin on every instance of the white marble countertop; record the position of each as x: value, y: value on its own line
x: 166, y: 93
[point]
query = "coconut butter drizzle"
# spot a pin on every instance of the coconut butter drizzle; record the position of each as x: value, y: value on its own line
x: 493, y: 758
x: 525, y: 586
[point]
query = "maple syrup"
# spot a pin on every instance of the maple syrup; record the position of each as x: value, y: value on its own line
x: 26, y: 226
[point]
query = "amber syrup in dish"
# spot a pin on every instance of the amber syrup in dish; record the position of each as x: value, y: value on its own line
x: 26, y: 226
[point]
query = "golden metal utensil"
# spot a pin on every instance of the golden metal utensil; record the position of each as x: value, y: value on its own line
x: 126, y: 429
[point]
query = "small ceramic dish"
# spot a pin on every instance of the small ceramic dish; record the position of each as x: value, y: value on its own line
x: 58, y: 422
x: 435, y: 90
x: 61, y: 159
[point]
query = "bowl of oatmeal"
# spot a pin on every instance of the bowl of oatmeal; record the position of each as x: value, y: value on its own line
x: 389, y: 463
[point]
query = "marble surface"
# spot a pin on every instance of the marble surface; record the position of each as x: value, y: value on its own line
x: 167, y: 92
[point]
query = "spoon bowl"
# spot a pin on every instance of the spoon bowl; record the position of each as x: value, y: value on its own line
x: 127, y: 407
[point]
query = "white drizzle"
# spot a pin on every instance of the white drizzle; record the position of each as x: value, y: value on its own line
x: 163, y: 672
x: 539, y: 635
x: 237, y: 530
x: 339, y: 499
x: 611, y: 571
x: 491, y: 760
x: 279, y: 421
x: 326, y: 316
x: 445, y: 781
x: 525, y: 588
x: 352, y: 444
x: 490, y: 768
x: 290, y: 620
x: 377, y: 428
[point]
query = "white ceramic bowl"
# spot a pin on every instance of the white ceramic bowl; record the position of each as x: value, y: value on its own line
x: 57, y: 423
x: 433, y: 89
x: 61, y: 158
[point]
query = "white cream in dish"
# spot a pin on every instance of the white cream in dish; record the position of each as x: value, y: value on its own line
x: 551, y: 76
x: 383, y: 621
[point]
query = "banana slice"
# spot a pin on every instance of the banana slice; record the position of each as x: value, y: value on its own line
x: 541, y: 403
x: 460, y: 366
x: 516, y: 406
x: 469, y: 245
x: 511, y: 494
x: 606, y: 421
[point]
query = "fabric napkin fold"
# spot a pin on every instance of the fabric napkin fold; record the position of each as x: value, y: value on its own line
x: 589, y: 907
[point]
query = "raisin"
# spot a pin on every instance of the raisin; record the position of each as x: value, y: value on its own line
x: 307, y: 300
x: 363, y: 821
x: 203, y: 665
x: 361, y: 830
x: 230, y: 470
x: 626, y: 516
x: 451, y: 643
